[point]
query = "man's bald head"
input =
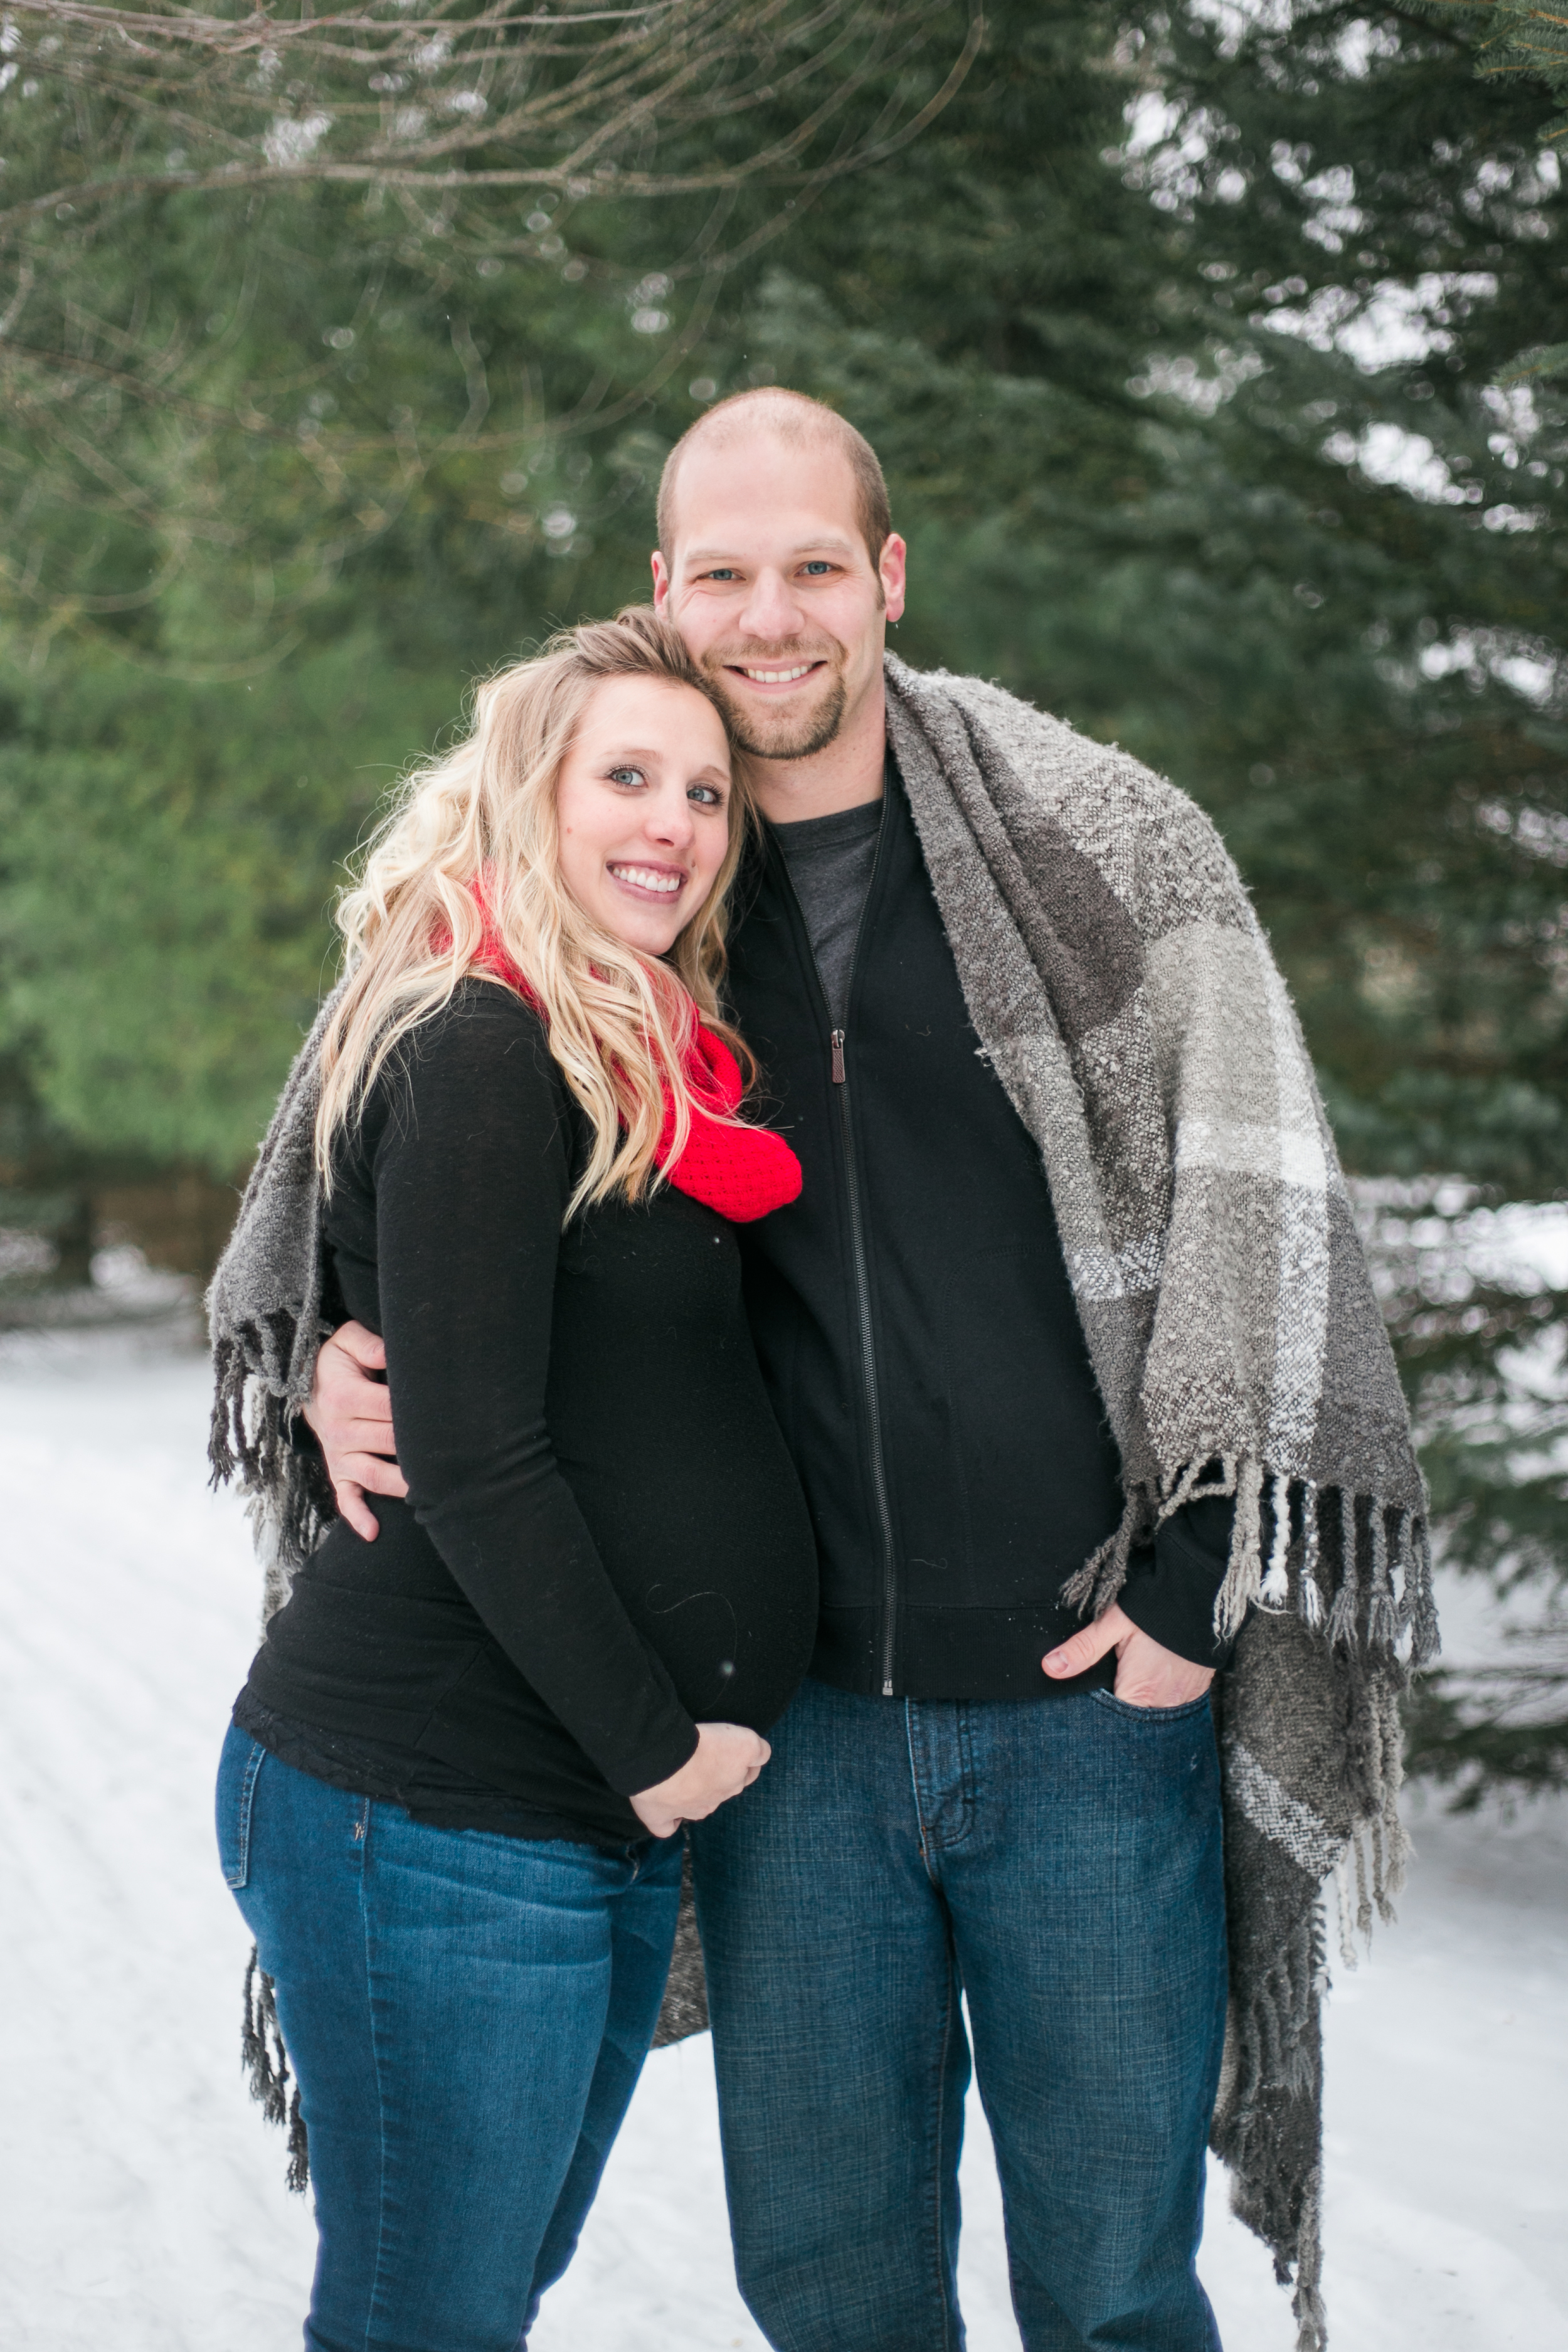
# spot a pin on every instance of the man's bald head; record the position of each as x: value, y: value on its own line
x: 798, y: 422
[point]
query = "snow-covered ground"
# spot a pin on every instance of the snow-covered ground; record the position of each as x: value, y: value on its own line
x: 141, y: 2198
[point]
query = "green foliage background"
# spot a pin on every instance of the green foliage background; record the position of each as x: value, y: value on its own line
x: 1204, y: 355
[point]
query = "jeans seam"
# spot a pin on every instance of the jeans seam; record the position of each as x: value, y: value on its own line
x: 1129, y: 1712
x: 926, y: 1853
x: 934, y: 1840
x: 240, y: 1876
x: 938, y: 2179
x: 372, y: 2299
x: 964, y: 1742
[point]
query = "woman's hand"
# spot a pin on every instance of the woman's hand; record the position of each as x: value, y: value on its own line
x: 727, y: 1759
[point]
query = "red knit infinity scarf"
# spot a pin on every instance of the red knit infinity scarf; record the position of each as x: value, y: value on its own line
x: 743, y: 1172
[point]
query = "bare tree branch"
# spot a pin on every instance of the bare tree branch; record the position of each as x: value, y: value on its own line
x: 153, y: 156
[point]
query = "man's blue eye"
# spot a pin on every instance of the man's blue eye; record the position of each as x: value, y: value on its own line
x: 818, y: 566
x: 719, y: 574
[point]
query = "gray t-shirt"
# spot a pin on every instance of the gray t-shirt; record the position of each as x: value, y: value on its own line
x: 830, y: 860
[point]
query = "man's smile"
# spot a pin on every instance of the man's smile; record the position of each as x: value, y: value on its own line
x: 773, y: 677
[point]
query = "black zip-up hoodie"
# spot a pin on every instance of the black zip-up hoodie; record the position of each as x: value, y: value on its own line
x: 916, y: 1324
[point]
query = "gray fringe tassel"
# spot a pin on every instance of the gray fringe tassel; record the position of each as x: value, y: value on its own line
x: 1309, y: 1596
x: 684, y: 2009
x: 1345, y: 1626
x: 1360, y: 1613
x: 251, y: 1437
x: 266, y: 2062
x: 1244, y: 1577
x: 1275, y: 1591
x: 1272, y: 2051
x: 1381, y: 1620
x: 1096, y: 1584
x: 1417, y: 1605
x: 1307, y: 2302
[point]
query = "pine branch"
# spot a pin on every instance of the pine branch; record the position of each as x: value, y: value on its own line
x: 152, y: 153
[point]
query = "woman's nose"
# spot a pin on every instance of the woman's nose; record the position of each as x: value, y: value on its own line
x: 668, y: 819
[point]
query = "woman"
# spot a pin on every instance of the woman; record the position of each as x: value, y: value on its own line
x: 448, y: 1801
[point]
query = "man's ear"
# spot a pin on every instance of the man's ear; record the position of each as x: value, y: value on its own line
x: 890, y: 567
x: 660, y: 580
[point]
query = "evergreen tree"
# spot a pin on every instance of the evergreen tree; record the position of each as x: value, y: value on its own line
x: 329, y: 352
x: 1191, y: 340
x: 1514, y: 37
x: 1239, y: 480
x: 1397, y: 211
x: 268, y: 283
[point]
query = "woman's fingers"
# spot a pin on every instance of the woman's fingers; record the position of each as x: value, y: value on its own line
x: 658, y: 1819
x: 726, y: 1759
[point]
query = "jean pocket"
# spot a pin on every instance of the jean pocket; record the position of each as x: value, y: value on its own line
x: 1124, y: 1707
x: 237, y: 1776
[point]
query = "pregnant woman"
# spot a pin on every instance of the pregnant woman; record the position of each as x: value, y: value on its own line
x: 449, y: 1798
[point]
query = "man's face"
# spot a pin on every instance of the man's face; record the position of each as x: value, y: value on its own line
x: 768, y: 581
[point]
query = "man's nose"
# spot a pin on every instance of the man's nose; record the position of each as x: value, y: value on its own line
x: 772, y: 610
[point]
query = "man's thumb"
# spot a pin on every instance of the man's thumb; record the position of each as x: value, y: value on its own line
x: 1077, y: 1655
x: 363, y: 1346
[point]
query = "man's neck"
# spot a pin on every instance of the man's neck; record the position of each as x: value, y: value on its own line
x: 847, y: 773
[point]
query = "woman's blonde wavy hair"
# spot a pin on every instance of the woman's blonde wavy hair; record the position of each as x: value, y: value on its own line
x: 483, y: 816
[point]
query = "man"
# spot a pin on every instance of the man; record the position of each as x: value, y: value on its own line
x: 1067, y: 1306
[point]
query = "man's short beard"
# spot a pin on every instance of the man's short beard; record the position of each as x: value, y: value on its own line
x: 761, y: 736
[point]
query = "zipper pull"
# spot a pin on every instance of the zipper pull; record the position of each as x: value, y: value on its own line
x: 836, y: 1041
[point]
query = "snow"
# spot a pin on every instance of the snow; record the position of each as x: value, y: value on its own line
x: 143, y: 2198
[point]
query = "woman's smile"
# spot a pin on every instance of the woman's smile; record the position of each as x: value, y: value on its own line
x: 649, y: 881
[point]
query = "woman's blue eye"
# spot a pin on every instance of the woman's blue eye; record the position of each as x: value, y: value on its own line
x: 626, y: 775
x: 706, y: 793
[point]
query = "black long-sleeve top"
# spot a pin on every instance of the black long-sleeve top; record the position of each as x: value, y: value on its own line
x: 605, y: 1541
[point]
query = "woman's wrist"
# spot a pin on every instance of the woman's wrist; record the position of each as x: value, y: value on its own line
x: 658, y: 1761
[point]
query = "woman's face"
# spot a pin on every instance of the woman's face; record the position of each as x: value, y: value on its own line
x: 642, y: 809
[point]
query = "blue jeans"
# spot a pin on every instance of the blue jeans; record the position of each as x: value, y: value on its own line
x: 467, y: 2016
x: 1058, y: 1860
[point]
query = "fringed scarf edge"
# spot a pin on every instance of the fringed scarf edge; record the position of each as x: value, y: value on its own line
x: 250, y: 1439
x: 1357, y: 1571
x: 1360, y: 1543
x: 265, y: 2062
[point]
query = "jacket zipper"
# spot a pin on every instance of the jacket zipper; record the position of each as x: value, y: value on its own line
x: 868, y: 1366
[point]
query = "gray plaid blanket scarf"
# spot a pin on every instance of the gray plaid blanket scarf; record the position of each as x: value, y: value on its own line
x: 1124, y: 993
